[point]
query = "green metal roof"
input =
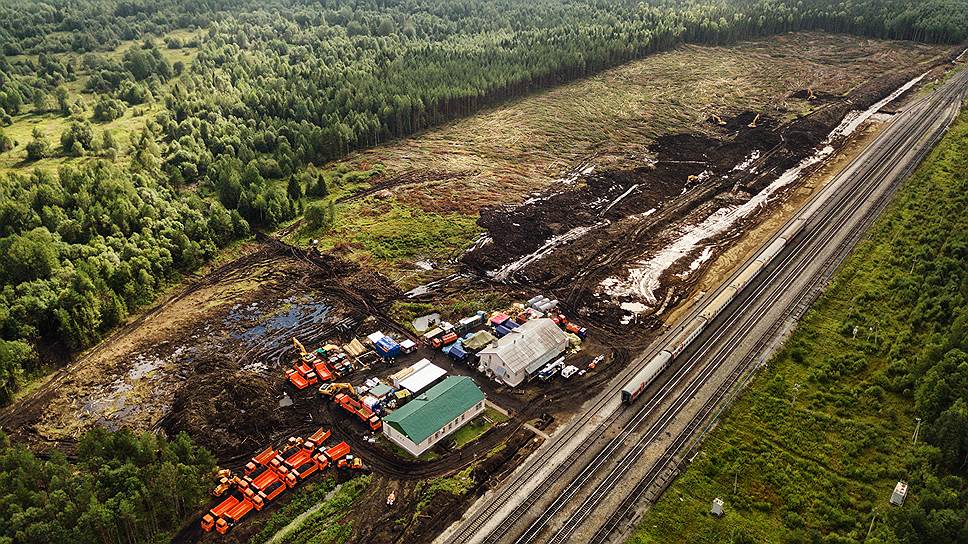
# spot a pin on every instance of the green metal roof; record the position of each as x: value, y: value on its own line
x: 429, y: 412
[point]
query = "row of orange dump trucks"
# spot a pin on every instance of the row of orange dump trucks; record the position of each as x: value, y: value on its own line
x: 272, y: 472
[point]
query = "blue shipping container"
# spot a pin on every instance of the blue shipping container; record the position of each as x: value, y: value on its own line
x: 511, y: 324
x: 387, y: 347
x: 500, y: 331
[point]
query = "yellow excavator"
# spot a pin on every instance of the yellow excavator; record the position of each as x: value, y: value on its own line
x: 719, y: 120
x: 331, y: 389
x: 753, y: 122
x: 810, y: 95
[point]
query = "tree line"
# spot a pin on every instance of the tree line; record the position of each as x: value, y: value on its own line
x: 276, y: 85
x: 85, y: 247
x: 122, y: 487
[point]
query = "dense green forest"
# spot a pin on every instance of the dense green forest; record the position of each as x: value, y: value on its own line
x: 818, y: 443
x: 270, y: 87
x: 121, y: 488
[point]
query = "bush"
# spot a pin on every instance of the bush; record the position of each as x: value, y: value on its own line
x: 319, y: 215
x: 108, y: 109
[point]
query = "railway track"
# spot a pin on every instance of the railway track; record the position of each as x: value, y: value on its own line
x: 470, y: 529
x: 853, y: 197
x: 656, y: 479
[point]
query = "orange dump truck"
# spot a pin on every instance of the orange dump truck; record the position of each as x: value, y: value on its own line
x: 273, y: 490
x: 302, y: 375
x: 360, y: 410
x: 233, y: 516
x: 262, y: 459
x: 316, y: 439
x: 302, y: 470
x: 216, y: 513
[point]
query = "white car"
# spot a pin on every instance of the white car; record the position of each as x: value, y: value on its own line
x: 569, y: 371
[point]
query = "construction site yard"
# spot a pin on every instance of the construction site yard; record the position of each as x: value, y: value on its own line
x: 624, y: 197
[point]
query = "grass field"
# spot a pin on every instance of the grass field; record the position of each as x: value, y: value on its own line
x: 478, y: 426
x: 812, y: 451
x: 53, y: 124
x: 501, y: 155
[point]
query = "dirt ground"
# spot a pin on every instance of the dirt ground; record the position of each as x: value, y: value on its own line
x: 574, y: 187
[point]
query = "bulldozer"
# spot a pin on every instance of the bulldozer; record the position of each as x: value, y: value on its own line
x: 331, y: 389
x: 753, y: 122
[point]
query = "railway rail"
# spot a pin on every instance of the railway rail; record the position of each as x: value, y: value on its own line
x: 898, y: 135
x: 831, y: 221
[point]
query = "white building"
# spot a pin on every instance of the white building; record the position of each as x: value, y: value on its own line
x: 417, y: 376
x: 524, y: 351
x: 432, y: 416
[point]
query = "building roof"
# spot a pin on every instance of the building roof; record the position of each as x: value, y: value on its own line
x: 441, y: 404
x: 417, y: 377
x: 479, y: 340
x: 528, y: 343
x: 380, y: 390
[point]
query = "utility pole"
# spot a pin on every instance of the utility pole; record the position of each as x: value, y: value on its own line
x: 796, y: 391
x: 916, y: 429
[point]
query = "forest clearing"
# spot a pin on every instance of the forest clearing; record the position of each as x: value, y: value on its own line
x: 233, y: 232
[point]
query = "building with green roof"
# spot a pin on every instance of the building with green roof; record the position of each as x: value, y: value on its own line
x: 435, y: 414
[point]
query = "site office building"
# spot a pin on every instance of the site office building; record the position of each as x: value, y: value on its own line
x: 524, y: 350
x: 429, y: 418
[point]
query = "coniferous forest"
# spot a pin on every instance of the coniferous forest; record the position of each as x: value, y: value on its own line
x: 275, y: 85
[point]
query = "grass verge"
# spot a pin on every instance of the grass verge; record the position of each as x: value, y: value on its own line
x: 812, y: 451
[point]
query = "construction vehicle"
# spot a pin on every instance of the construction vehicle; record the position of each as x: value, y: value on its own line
x: 719, y: 120
x: 810, y: 95
x: 754, y: 121
x: 338, y: 452
x: 352, y: 405
x: 331, y: 389
x: 230, y: 502
x: 271, y: 492
x: 261, y: 478
x: 261, y: 459
x: 316, y: 439
x: 225, y: 482
x: 351, y: 462
x: 315, y: 360
x: 302, y: 375
x: 302, y: 471
x: 233, y: 516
